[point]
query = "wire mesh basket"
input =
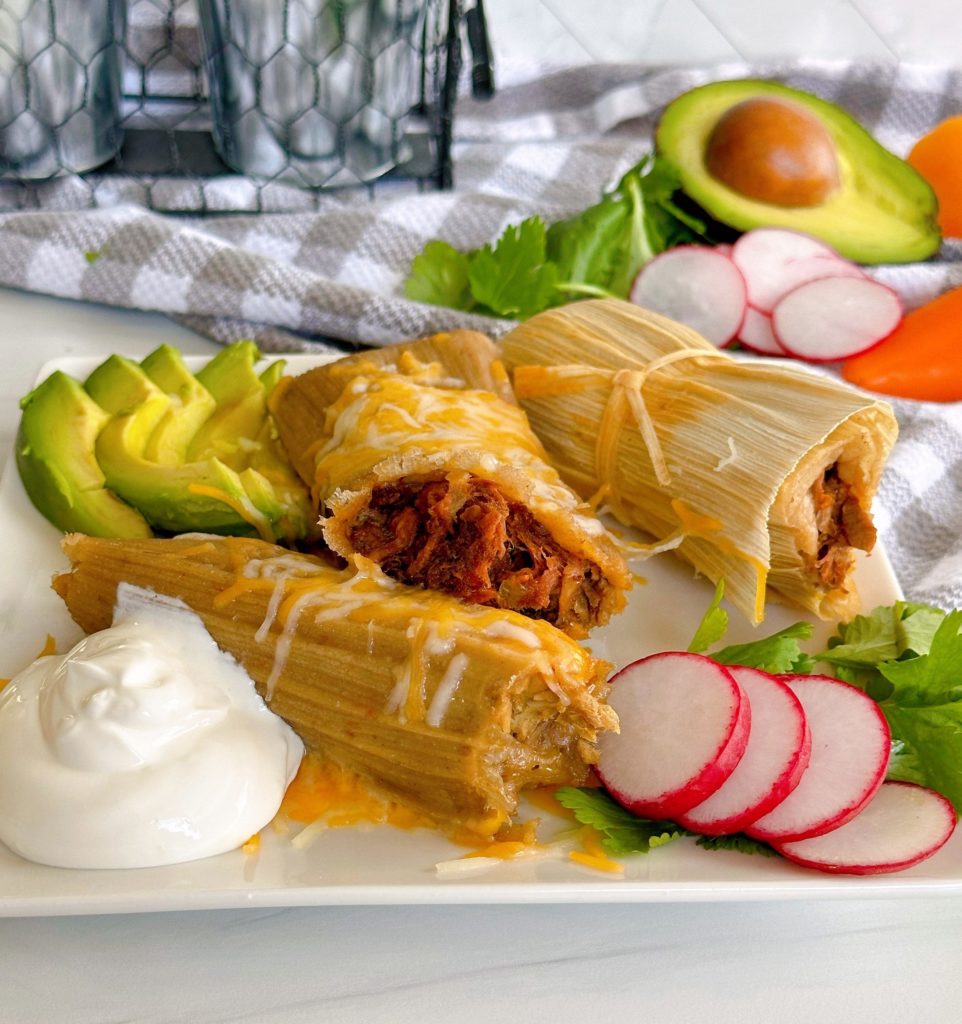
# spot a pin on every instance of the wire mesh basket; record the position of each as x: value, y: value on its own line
x: 200, y: 106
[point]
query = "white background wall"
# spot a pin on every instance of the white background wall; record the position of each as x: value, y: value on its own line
x: 659, y: 32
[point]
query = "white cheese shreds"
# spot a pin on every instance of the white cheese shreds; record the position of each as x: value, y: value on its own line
x: 446, y: 690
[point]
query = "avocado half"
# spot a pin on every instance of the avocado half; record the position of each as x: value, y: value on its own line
x: 881, y: 211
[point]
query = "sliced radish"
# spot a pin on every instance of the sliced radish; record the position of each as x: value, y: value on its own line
x: 778, y: 752
x: 697, y: 286
x: 901, y: 826
x: 774, y: 262
x: 757, y: 335
x: 835, y: 317
x: 684, y: 727
x: 850, y: 753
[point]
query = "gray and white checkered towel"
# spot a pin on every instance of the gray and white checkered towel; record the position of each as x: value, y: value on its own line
x: 549, y: 146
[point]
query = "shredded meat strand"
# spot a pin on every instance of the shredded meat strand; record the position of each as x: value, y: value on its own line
x: 473, y: 542
x: 842, y: 524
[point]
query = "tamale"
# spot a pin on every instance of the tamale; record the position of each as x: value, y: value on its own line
x: 763, y: 473
x: 419, y: 458
x: 450, y: 709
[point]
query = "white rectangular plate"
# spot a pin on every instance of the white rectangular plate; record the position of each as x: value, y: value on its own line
x: 385, y: 865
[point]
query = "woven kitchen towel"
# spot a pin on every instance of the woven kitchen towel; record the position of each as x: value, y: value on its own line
x: 548, y: 146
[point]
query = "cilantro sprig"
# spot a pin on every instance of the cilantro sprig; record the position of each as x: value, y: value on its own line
x: 908, y: 657
x: 533, y: 267
x: 779, y: 653
x: 624, y: 833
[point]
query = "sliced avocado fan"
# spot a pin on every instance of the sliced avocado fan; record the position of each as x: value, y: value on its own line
x: 55, y: 456
x: 151, y: 445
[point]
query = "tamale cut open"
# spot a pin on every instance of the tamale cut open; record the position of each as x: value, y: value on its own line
x: 762, y: 472
x: 419, y: 458
x: 449, y: 709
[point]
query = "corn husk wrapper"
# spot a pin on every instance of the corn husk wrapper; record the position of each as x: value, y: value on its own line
x: 684, y: 441
x: 439, y: 407
x: 450, y: 709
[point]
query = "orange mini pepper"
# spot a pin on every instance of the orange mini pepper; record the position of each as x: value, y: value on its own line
x: 937, y: 156
x: 921, y: 358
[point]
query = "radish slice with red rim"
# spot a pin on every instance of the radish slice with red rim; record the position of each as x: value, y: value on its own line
x: 778, y: 752
x: 774, y: 261
x: 833, y: 318
x: 684, y: 727
x: 901, y: 826
x: 757, y: 335
x: 851, y: 744
x: 697, y: 286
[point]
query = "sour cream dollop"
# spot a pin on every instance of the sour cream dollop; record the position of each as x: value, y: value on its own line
x: 144, y: 745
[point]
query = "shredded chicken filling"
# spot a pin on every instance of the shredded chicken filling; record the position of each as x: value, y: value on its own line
x: 467, y: 539
x: 842, y: 524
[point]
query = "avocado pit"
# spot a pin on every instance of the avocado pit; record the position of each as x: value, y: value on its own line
x: 773, y: 151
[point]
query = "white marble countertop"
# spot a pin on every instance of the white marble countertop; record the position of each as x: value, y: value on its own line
x: 882, y: 960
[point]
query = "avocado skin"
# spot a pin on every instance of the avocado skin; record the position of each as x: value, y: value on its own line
x: 882, y: 212
x: 58, y: 428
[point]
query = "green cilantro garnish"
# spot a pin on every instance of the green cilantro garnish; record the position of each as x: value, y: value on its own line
x: 623, y: 832
x: 713, y: 625
x: 531, y: 267
x: 439, y: 276
x: 919, y: 690
x: 514, y: 278
x: 778, y: 653
x: 738, y: 843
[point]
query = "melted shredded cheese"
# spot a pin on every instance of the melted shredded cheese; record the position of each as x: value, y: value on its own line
x: 242, y: 505
x: 394, y: 418
x: 511, y: 630
x: 432, y: 624
x: 326, y: 796
x: 446, y: 690
x: 627, y: 396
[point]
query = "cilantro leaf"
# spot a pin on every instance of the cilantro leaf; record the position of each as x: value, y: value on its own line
x: 635, y: 248
x: 738, y: 842
x: 621, y: 831
x: 904, y: 764
x: 917, y: 628
x: 514, y: 278
x: 586, y: 248
x: 932, y: 677
x: 886, y: 634
x: 779, y: 653
x: 439, y: 276
x: 713, y: 625
x: 908, y: 657
x: 666, y: 223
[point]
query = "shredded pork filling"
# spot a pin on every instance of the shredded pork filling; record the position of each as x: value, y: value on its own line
x: 842, y: 524
x: 467, y: 539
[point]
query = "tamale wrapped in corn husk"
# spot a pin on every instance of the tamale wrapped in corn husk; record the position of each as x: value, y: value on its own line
x: 419, y: 458
x: 763, y: 473
x: 450, y: 709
